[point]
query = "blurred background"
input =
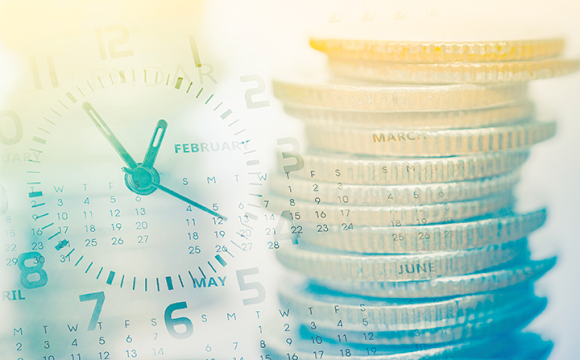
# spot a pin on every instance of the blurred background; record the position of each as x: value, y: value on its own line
x: 270, y: 37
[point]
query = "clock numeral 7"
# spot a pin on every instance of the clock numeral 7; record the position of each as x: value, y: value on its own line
x: 113, y: 43
x: 100, y: 297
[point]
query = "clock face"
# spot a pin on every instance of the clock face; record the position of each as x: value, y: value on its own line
x: 184, y: 213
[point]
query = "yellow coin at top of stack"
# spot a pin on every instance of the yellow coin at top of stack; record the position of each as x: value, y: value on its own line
x: 439, y: 52
x: 447, y: 63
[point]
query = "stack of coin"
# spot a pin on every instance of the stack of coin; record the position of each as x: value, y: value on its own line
x: 403, y: 205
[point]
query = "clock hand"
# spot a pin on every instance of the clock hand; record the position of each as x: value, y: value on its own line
x: 155, y: 143
x: 104, y: 129
x: 187, y: 200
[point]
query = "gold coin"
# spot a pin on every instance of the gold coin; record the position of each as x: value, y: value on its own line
x: 382, y: 141
x: 440, y: 52
x: 454, y: 73
x: 346, y: 94
x: 414, y: 119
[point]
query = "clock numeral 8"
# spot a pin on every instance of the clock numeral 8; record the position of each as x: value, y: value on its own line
x: 26, y: 271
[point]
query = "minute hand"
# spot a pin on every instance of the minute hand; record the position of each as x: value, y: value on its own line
x: 187, y: 200
x: 104, y: 129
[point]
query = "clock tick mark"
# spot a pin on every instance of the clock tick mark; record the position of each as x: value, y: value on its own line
x: 79, y: 89
x: 180, y: 281
x: 93, y: 90
x: 111, y: 77
x: 167, y: 81
x: 221, y: 260
x: 100, y: 271
x: 208, y: 99
x: 39, y: 140
x: 87, y: 270
x: 248, y: 226
x: 110, y: 277
x: 62, y: 244
x: 178, y: 83
x: 49, y: 225
x: 54, y: 111
x: 189, y: 87
x: 101, y: 82
x: 71, y: 97
x: 227, y: 113
x: 134, y: 281
x: 169, y: 282
x: 234, y: 122
x: 211, y: 266
x: 79, y: 260
x: 157, y: 280
x: 66, y: 107
x: 122, y: 280
x: 238, y: 246
x: 201, y: 271
x: 122, y: 76
x: 34, y: 194
x: 49, y: 121
x: 239, y: 132
x: 220, y: 104
x: 200, y: 90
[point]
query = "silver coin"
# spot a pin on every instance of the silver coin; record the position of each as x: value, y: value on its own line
x: 328, y: 309
x: 484, y: 281
x: 514, y: 316
x: 508, y: 344
x: 371, y: 267
x: 418, y: 194
x: 426, y: 120
x: 385, y: 170
x: 396, y: 215
x: 410, y: 239
x: 435, y: 143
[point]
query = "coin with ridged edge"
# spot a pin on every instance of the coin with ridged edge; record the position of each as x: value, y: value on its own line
x: 371, y: 267
x: 410, y: 239
x: 429, y: 143
x: 516, y: 111
x: 488, y: 280
x: 505, y: 346
x: 328, y: 308
x: 396, y: 215
x: 514, y: 316
x: 417, y: 194
x: 455, y: 73
x: 371, y: 170
x: 439, y: 52
x: 346, y: 94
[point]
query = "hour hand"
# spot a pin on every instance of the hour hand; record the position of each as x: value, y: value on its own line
x: 108, y: 134
x: 155, y: 143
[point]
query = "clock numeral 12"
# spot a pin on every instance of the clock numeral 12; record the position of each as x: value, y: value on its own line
x: 111, y: 45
